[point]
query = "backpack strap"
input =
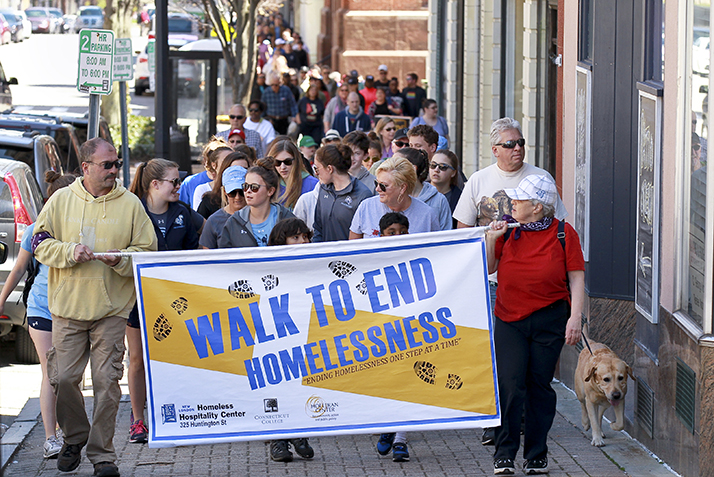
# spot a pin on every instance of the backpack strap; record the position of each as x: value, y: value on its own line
x: 561, y: 233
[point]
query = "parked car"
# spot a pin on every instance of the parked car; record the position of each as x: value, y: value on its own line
x: 5, y: 93
x: 89, y: 17
x: 20, y: 203
x: 26, y: 24
x: 59, y: 19
x: 183, y: 28
x: 5, y: 32
x: 42, y: 20
x: 15, y: 23
x: 63, y: 133
x: 68, y: 25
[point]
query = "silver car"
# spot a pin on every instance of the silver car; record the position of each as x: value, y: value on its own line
x: 89, y: 17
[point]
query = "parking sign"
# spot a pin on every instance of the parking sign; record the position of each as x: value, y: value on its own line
x: 123, y: 64
x: 96, y: 53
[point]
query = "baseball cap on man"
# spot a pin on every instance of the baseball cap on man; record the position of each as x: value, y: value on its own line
x: 400, y: 134
x: 233, y: 178
x: 307, y: 141
x: 540, y: 188
x: 238, y: 132
x: 352, y: 80
x: 382, y: 68
x: 331, y: 135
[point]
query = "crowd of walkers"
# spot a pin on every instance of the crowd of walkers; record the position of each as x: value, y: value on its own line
x: 349, y: 183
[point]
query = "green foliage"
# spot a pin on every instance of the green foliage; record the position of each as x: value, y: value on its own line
x: 141, y: 137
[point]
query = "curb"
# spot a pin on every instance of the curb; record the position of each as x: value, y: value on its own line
x: 18, y: 432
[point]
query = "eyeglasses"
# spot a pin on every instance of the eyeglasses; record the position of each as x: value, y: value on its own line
x: 287, y: 162
x: 252, y: 187
x: 108, y: 165
x: 382, y: 186
x: 232, y: 194
x: 372, y: 159
x: 512, y: 143
x: 233, y: 116
x: 176, y: 182
x: 400, y: 143
x: 695, y: 147
x: 390, y: 129
x: 254, y: 110
x: 441, y: 167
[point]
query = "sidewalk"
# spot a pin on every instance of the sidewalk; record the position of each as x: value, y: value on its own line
x: 452, y: 453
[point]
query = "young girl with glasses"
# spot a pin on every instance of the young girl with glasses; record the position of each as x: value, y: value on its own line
x: 294, y: 179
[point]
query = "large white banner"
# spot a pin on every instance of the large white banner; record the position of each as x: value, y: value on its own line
x: 363, y: 336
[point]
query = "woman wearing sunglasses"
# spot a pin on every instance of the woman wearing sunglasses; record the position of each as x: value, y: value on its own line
x: 385, y: 130
x: 156, y: 183
x: 295, y: 180
x: 232, y: 198
x: 251, y: 226
x: 216, y: 198
x: 444, y: 175
x: 396, y: 179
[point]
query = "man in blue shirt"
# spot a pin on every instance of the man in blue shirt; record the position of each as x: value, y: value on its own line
x: 351, y: 119
x: 281, y: 106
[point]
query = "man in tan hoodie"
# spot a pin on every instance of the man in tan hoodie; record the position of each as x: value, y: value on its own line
x: 90, y: 298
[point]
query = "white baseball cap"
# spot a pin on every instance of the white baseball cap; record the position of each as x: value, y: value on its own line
x: 540, y: 188
x: 382, y: 68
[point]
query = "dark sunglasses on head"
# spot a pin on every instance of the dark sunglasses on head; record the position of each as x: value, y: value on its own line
x: 176, y: 182
x: 232, y: 194
x: 441, y: 167
x: 381, y: 185
x: 233, y: 116
x: 401, y: 144
x: 287, y: 162
x: 252, y: 187
x: 108, y: 165
x: 512, y: 143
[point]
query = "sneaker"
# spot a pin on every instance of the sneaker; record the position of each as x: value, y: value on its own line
x: 302, y: 447
x: 106, y: 469
x: 279, y: 451
x: 384, y: 444
x: 489, y: 436
x: 536, y: 466
x: 52, y: 447
x: 69, y: 457
x: 138, y: 432
x: 400, y: 453
x: 503, y: 466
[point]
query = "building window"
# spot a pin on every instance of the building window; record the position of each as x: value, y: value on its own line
x: 585, y: 44
x: 654, y: 41
x: 695, y: 290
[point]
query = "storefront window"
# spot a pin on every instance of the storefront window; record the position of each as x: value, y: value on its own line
x: 695, y: 226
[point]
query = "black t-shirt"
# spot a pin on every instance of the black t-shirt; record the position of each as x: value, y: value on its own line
x: 382, y: 85
x: 160, y: 221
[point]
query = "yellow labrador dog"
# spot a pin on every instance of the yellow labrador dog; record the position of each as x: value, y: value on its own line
x: 601, y: 382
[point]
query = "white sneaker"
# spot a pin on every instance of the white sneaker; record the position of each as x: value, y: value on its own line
x: 52, y: 447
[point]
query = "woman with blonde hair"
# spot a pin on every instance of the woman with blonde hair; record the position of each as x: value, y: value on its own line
x: 295, y: 180
x: 385, y: 130
x: 396, y: 179
x: 39, y: 319
x: 156, y: 183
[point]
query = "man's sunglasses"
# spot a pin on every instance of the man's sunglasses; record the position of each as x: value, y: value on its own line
x: 252, y: 187
x: 108, y: 165
x: 401, y: 144
x: 232, y: 194
x: 382, y: 186
x: 695, y: 147
x: 441, y: 167
x: 176, y: 182
x: 287, y: 162
x: 233, y: 116
x: 512, y: 143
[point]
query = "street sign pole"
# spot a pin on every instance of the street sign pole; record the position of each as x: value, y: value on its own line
x: 94, y: 75
x: 123, y: 72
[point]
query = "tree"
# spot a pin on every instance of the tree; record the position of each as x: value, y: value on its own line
x: 233, y: 21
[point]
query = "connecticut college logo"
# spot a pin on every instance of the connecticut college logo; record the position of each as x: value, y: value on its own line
x: 270, y: 405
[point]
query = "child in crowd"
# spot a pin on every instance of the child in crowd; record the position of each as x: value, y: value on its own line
x: 290, y: 231
x: 393, y: 223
